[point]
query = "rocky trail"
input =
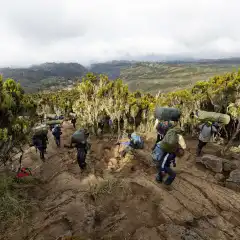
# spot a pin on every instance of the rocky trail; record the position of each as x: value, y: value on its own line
x: 119, y: 199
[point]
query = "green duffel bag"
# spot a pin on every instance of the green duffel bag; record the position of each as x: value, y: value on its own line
x: 204, y: 116
x: 54, y: 122
x: 79, y: 136
x: 170, y: 142
x: 167, y: 114
x: 39, y: 130
x: 51, y: 116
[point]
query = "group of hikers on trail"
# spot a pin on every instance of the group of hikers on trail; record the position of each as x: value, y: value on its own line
x: 78, y: 140
x: 169, y: 143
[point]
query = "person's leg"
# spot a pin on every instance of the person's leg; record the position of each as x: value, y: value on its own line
x: 159, y: 176
x: 58, y: 141
x: 81, y: 157
x: 171, y: 176
x: 200, y: 146
x: 41, y: 150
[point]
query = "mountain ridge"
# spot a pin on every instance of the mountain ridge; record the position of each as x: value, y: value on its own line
x: 53, y: 76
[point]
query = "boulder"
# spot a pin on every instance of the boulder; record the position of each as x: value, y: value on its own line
x: 219, y: 177
x: 233, y: 181
x: 212, y: 162
x: 230, y: 165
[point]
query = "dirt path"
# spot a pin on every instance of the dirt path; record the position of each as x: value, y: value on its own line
x: 119, y: 198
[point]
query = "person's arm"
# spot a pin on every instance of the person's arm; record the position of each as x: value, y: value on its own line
x: 156, y: 123
x: 174, y: 162
x: 181, y: 142
x: 172, y: 159
x: 214, y: 129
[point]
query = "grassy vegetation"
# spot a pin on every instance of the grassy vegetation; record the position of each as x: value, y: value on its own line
x: 13, y: 205
x: 152, y: 77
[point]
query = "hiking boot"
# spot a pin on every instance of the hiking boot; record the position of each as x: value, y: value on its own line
x: 158, y: 179
x: 83, y: 166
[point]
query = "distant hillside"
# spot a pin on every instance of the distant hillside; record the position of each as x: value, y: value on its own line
x: 45, y: 75
x: 152, y: 77
x: 112, y: 69
x: 148, y: 76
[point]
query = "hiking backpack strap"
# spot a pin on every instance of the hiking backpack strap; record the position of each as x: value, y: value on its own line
x: 203, y: 126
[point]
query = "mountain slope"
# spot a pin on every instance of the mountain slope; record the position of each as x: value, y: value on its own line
x: 112, y: 69
x: 45, y: 75
x: 152, y: 77
x: 119, y: 199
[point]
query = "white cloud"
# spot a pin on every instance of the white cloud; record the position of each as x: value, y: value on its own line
x: 35, y: 31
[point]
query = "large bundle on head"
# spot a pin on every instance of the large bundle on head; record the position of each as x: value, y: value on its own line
x: 204, y: 116
x: 51, y: 116
x: 39, y: 130
x: 167, y: 114
x: 54, y: 122
x: 79, y: 136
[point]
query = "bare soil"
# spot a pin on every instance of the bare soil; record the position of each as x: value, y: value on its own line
x: 118, y: 198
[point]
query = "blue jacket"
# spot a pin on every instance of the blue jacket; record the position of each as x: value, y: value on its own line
x: 57, y: 132
x: 167, y: 160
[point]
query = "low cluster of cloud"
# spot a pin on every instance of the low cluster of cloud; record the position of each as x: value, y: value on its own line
x: 36, y: 31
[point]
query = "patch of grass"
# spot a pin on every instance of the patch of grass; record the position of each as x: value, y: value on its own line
x: 107, y: 187
x: 13, y: 206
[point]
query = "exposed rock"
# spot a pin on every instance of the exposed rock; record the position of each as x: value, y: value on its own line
x: 229, y: 165
x: 233, y: 181
x: 219, y: 177
x: 146, y: 234
x: 212, y: 162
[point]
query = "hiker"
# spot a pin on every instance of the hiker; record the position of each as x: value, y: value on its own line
x: 207, y: 130
x: 164, y: 166
x: 82, y: 148
x: 56, y: 131
x: 101, y: 124
x: 136, y: 141
x: 172, y: 141
x: 40, y: 142
x: 73, y: 121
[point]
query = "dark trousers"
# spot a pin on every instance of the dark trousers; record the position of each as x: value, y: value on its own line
x: 57, y: 140
x: 74, y: 124
x: 200, y: 146
x: 171, y: 175
x: 41, y: 151
x: 81, y: 157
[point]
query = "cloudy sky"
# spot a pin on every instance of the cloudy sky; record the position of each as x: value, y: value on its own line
x: 36, y: 31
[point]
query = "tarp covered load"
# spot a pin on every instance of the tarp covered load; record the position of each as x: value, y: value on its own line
x: 79, y: 136
x: 39, y: 130
x: 167, y: 114
x: 54, y: 122
x: 213, y: 117
x: 51, y: 116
